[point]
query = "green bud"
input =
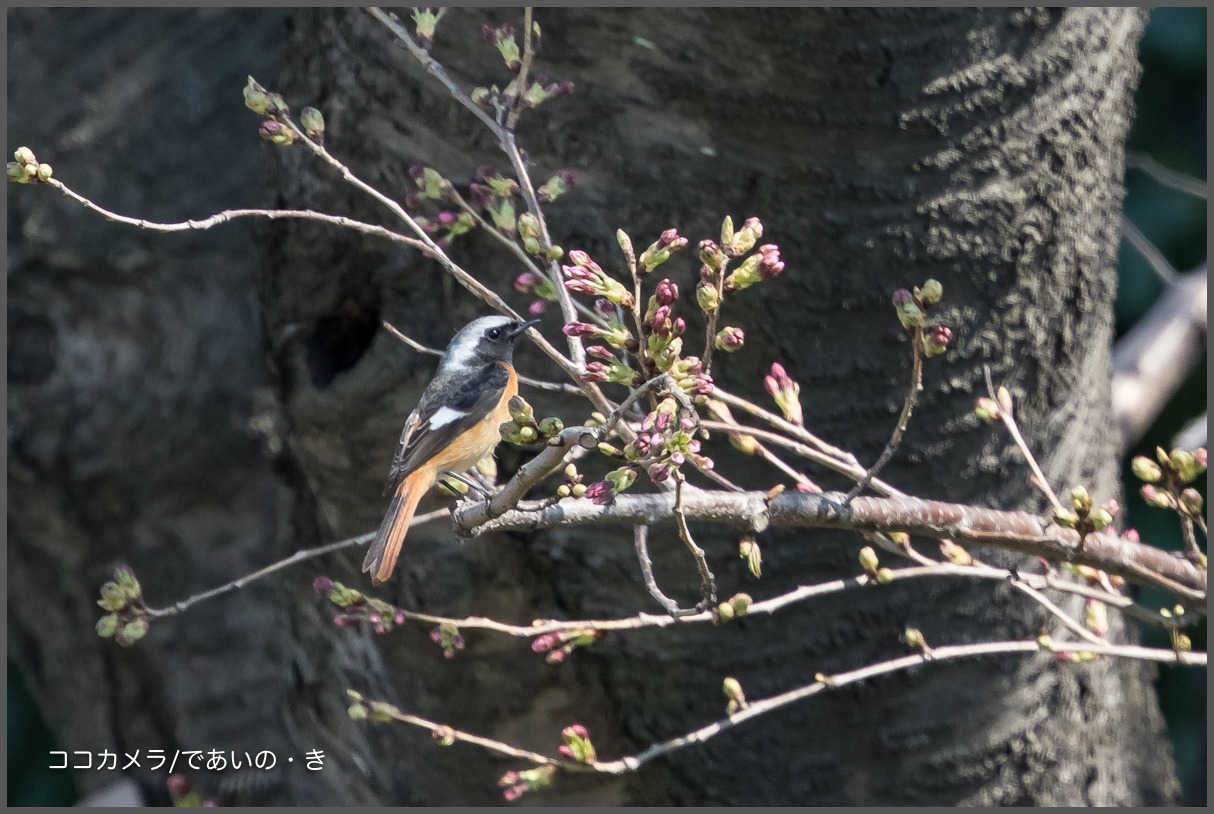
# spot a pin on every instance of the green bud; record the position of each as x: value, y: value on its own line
x: 107, y: 625
x: 868, y: 559
x: 480, y: 97
x: 621, y: 479
x: 132, y: 632
x: 571, y: 472
x: 45, y: 171
x: 528, y: 226
x: 563, y: 490
x: 25, y: 155
x: 1081, y: 500
x: 113, y: 598
x: 1190, y: 501
x: 912, y: 637
x: 526, y: 434
x: 551, y: 426
x: 578, y: 489
x: 727, y: 233
x: 724, y: 612
x: 312, y: 122
x: 884, y: 576
x: 443, y: 736
x: 1045, y: 642
x: 1145, y: 469
x: 357, y: 712
x: 16, y: 172
x: 554, y: 253
x: 707, y: 297
x: 930, y: 293
x: 740, y: 603
x: 1101, y: 519
x: 126, y: 581
x: 1066, y: 518
x: 608, y: 449
x: 520, y: 410
x: 749, y: 550
x: 987, y: 410
x: 626, y: 246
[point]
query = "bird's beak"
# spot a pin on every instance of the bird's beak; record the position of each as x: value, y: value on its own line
x: 522, y: 327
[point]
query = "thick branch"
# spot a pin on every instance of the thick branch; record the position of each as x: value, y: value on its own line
x: 1017, y: 531
x: 1154, y: 358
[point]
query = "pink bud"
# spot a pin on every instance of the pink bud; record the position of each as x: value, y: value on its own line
x: 579, y: 329
x: 667, y: 292
x: 537, y: 307
x: 322, y: 585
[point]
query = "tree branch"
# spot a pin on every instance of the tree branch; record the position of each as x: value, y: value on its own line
x: 1015, y: 531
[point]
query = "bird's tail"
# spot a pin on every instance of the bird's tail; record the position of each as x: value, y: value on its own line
x: 381, y: 559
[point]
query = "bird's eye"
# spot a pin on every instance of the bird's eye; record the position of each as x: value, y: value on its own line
x: 494, y: 333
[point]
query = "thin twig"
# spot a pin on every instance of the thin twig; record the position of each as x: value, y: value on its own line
x: 908, y: 407
x: 1166, y: 176
x: 794, y: 430
x: 297, y: 557
x: 234, y: 214
x: 1155, y: 259
x: 640, y: 540
x: 1006, y: 414
x: 708, y: 585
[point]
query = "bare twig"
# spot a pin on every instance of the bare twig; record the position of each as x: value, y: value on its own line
x: 1168, y: 177
x: 1006, y: 414
x: 759, y: 708
x: 294, y: 559
x: 908, y: 407
x: 640, y: 539
x: 708, y: 585
x: 235, y: 214
x: 1155, y: 259
x: 787, y: 427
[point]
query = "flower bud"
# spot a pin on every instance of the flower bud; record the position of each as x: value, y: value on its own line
x: 313, y: 123
x: 1101, y: 519
x: 564, y: 490
x: 528, y: 226
x: 729, y: 339
x: 551, y: 426
x: 884, y: 576
x: 987, y: 409
x: 930, y: 293
x: 711, y: 255
x: 45, y: 171
x: 443, y: 735
x: 868, y: 559
x: 132, y: 632
x: 1066, y: 518
x: 741, y: 604
x: 1145, y: 469
x: 936, y: 339
x: 107, y: 625
x: 1081, y: 500
x: 913, y: 637
x: 1191, y: 501
x: 707, y: 297
x: 275, y: 133
x: 749, y: 550
x: 909, y: 313
x: 25, y: 156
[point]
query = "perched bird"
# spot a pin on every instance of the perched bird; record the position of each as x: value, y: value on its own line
x: 454, y: 425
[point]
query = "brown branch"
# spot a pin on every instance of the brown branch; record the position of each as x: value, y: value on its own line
x: 1016, y: 531
x: 1153, y: 359
x: 765, y: 706
x: 708, y: 585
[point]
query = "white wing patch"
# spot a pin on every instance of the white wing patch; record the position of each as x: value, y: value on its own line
x: 444, y: 416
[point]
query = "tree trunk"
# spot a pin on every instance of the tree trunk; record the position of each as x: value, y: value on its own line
x: 880, y: 148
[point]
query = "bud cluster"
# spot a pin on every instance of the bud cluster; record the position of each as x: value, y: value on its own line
x: 572, y: 485
x: 26, y: 169
x: 749, y: 550
x: 560, y: 644
x: 577, y: 744
x: 363, y: 709
x: 127, y: 617
x: 912, y: 308
x: 447, y: 636
x: 356, y: 607
x: 736, y: 606
x: 1083, y: 515
x: 732, y: 689
x: 539, y: 287
x: 1166, y: 480
x: 585, y: 276
x: 523, y: 428
x: 786, y: 392
x: 515, y: 784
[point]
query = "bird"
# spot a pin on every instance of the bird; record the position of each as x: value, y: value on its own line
x: 455, y: 424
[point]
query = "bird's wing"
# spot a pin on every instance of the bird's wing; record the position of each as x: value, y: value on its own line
x: 449, y: 407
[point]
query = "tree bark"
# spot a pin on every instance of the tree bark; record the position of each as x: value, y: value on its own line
x: 880, y: 148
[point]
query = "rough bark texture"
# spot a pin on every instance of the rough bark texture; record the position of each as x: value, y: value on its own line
x: 880, y: 147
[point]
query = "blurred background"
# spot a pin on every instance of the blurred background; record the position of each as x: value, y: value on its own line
x: 1170, y: 131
